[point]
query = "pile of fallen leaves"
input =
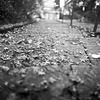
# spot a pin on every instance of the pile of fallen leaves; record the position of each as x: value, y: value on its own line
x: 28, y: 64
x: 31, y: 68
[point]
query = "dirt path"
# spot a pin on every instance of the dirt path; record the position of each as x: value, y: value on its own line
x: 48, y: 61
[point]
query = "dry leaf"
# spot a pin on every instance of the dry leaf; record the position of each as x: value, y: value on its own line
x: 5, y: 68
x: 29, y: 41
x: 95, y: 55
x: 40, y: 73
x: 52, y: 80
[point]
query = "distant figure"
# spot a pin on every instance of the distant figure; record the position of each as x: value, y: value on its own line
x: 60, y: 14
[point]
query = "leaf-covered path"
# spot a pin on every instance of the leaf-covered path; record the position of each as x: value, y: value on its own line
x: 49, y: 61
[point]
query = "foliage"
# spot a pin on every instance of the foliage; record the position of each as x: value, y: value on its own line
x: 57, y: 2
x: 90, y: 12
x: 16, y: 10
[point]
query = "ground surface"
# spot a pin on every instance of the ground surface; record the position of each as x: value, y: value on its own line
x: 49, y: 61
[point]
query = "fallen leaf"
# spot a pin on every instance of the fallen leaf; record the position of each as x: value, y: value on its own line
x: 6, y: 83
x: 23, y: 70
x: 52, y: 80
x: 55, y: 50
x: 12, y: 96
x: 95, y: 56
x: 29, y: 41
x: 44, y: 84
x: 5, y: 68
x: 5, y: 49
x: 48, y: 28
x: 41, y: 73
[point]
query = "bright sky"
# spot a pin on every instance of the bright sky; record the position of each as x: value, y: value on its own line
x: 62, y: 3
x: 49, y: 3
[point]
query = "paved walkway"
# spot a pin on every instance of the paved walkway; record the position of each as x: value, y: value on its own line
x: 78, y: 51
x: 58, y: 57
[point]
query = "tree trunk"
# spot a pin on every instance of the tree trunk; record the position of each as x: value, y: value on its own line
x: 97, y: 19
x: 73, y: 6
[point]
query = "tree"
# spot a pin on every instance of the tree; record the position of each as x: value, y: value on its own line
x: 73, y: 6
x: 97, y: 19
x: 16, y: 10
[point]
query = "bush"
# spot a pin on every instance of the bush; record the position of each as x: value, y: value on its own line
x: 12, y: 11
x: 90, y: 16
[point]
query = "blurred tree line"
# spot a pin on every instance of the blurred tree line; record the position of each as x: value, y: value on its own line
x: 88, y: 9
x: 82, y: 8
x: 13, y: 11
